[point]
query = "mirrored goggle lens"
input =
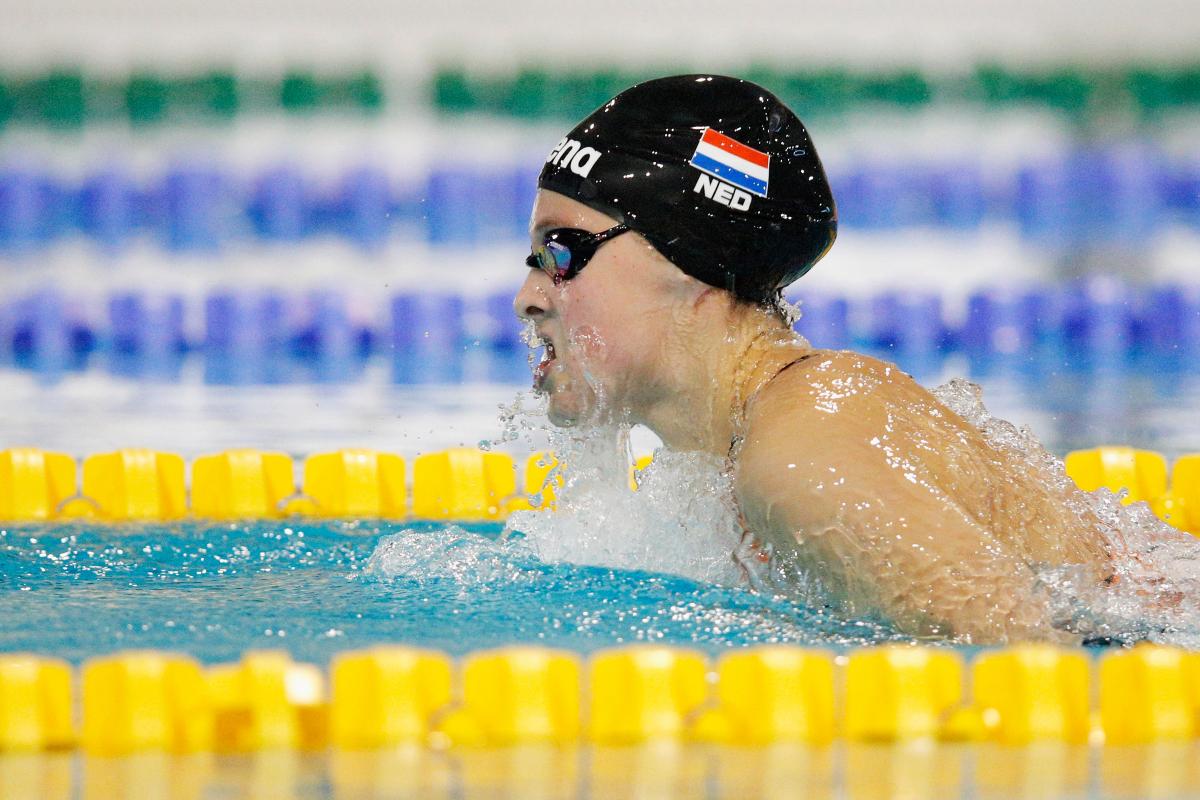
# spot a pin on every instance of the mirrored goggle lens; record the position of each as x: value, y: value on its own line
x: 555, y: 259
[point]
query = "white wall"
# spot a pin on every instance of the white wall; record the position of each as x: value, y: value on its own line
x: 408, y: 37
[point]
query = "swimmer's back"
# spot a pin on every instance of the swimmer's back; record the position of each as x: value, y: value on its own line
x: 879, y: 403
x: 902, y: 505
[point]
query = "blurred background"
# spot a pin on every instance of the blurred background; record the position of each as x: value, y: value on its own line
x: 299, y: 225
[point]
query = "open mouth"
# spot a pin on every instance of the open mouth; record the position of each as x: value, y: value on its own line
x: 548, y: 356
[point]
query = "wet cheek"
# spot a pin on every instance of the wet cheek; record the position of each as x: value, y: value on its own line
x: 589, y: 341
x: 603, y: 330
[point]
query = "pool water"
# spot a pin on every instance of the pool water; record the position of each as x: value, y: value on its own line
x: 315, y: 589
x: 610, y: 567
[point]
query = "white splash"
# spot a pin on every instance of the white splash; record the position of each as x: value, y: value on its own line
x: 1155, y: 593
x: 681, y: 520
x: 470, y: 561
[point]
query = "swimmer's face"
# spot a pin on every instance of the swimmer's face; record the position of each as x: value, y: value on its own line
x: 604, y: 326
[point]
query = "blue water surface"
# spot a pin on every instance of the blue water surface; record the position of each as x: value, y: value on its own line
x: 216, y: 590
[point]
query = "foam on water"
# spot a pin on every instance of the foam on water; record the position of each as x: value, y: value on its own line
x: 507, y: 590
x: 681, y: 520
x: 454, y: 555
x: 318, y: 588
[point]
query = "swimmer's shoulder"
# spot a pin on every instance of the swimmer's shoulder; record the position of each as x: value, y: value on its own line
x: 823, y: 407
x: 807, y: 422
x: 818, y: 403
x: 811, y: 438
x: 823, y: 381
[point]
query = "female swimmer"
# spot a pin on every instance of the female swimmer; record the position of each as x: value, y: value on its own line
x: 665, y: 227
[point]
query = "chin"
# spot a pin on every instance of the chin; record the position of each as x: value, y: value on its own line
x: 566, y: 405
x: 561, y: 421
x: 565, y: 412
x: 572, y: 402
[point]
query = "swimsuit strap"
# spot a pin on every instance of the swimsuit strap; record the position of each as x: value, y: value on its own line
x: 791, y: 363
x: 736, y: 441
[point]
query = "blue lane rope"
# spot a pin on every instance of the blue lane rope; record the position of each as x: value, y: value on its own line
x: 1118, y: 196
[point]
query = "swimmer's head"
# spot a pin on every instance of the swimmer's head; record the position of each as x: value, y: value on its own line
x: 709, y: 197
x: 716, y: 173
x: 606, y: 328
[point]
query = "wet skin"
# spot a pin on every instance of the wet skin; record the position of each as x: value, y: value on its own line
x: 842, y: 463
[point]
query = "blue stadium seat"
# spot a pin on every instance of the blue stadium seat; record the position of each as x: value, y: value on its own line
x: 1098, y: 314
x: 958, y: 197
x: 161, y: 366
x: 1174, y: 319
x: 325, y: 328
x: 883, y: 197
x: 46, y: 328
x: 995, y: 324
x: 1129, y: 199
x: 1180, y: 187
x: 229, y: 367
x: 510, y: 366
x: 415, y: 368
x: 504, y: 328
x: 500, y: 206
x: 1046, y: 203
x: 909, y: 321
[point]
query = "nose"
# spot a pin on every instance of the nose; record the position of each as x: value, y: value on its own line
x: 532, y: 301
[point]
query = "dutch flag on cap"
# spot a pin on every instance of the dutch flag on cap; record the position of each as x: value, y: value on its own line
x: 732, y: 161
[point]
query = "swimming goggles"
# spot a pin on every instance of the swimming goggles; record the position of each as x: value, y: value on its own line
x: 565, y: 251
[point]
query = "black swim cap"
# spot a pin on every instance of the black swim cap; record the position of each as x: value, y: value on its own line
x: 717, y: 173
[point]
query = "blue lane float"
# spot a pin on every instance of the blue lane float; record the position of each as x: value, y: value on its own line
x: 145, y: 323
x: 282, y: 205
x: 427, y: 321
x: 363, y: 207
x: 1120, y: 195
x: 110, y: 208
x: 252, y: 322
x: 908, y: 321
x: 1100, y: 320
x: 824, y: 318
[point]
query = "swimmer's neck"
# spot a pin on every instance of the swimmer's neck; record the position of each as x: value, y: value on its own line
x: 733, y: 353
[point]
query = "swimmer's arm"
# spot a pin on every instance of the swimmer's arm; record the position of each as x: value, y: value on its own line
x: 880, y: 539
